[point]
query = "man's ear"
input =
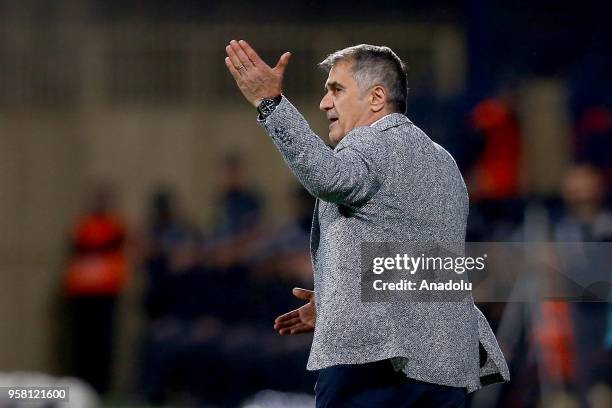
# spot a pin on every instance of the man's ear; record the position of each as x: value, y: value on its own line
x: 378, y: 98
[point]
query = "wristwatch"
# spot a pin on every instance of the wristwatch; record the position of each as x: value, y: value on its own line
x: 267, y: 106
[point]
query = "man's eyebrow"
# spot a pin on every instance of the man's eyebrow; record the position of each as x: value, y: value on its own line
x: 332, y: 84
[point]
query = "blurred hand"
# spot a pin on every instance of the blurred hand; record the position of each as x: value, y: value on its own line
x: 301, y: 320
x: 254, y: 77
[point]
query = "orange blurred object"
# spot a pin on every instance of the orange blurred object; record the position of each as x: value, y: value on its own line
x: 554, y: 335
x: 98, y: 265
x: 497, y: 169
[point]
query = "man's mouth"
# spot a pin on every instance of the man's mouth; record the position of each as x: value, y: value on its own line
x: 332, y: 121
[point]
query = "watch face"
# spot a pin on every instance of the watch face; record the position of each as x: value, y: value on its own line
x: 267, y: 106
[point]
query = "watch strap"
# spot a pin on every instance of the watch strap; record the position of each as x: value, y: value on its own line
x: 267, y: 106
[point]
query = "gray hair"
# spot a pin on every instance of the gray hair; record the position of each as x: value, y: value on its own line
x: 375, y: 65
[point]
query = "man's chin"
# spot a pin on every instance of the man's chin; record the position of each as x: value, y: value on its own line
x: 333, y: 139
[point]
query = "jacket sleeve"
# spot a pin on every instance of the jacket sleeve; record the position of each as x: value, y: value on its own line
x: 350, y: 174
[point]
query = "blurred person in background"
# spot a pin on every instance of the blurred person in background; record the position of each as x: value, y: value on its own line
x: 245, y: 263
x: 495, y: 175
x: 593, y: 141
x: 585, y: 219
x: 493, y: 179
x: 585, y: 216
x: 280, y: 261
x: 286, y: 253
x: 179, y: 328
x: 562, y: 352
x: 167, y: 239
x: 194, y: 340
x: 228, y: 247
x: 96, y: 275
x: 239, y: 208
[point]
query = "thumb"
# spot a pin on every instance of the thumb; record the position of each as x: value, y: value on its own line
x: 303, y: 294
x: 282, y: 62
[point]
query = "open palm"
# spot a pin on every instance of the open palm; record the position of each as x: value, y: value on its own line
x: 255, y: 79
x: 300, y: 320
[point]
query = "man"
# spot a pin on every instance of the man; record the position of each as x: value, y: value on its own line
x: 383, y: 181
x: 585, y: 219
x: 96, y: 275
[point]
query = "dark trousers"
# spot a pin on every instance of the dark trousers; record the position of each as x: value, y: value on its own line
x: 92, y: 319
x: 377, y: 384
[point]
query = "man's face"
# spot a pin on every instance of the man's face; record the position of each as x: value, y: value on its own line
x: 582, y: 191
x: 343, y: 103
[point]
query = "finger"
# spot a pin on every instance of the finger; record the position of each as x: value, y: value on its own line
x: 253, y: 56
x: 296, y: 329
x: 233, y: 57
x: 283, y: 61
x: 284, y: 332
x: 244, y: 59
x: 287, y: 323
x: 303, y: 294
x: 289, y: 315
x: 302, y: 328
x: 232, y: 70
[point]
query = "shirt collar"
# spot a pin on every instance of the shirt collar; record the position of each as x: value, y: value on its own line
x: 389, y: 121
x: 382, y: 124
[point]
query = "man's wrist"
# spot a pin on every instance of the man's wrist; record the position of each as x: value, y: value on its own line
x: 267, y: 105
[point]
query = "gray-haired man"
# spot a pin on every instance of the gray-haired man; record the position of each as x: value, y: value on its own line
x: 383, y: 181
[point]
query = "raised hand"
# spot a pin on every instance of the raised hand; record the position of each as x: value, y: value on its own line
x: 301, y: 320
x: 254, y: 77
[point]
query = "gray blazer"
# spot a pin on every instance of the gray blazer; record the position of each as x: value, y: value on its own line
x: 385, y: 183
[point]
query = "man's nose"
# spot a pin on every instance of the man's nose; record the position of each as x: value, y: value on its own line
x: 326, y: 103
